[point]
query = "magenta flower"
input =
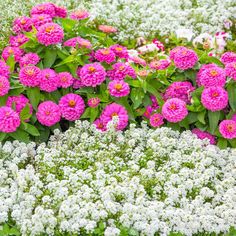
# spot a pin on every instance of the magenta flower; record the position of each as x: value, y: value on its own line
x: 49, y: 34
x: 72, y: 106
x: 120, y: 71
x: 107, y: 29
x: 155, y: 104
x: 227, y: 129
x: 117, y: 110
x: 17, y: 41
x: 79, y: 15
x: 156, y: 120
x: 211, y: 75
x: 174, y: 110
x: 77, y: 84
x: 234, y: 117
x: 49, y: 81
x: 120, y: 51
x: 4, y: 69
x: 137, y: 60
x: 60, y: 11
x: 204, y: 135
x: 4, y: 86
x: 48, y: 113
x: 29, y: 59
x: 160, y: 65
x: 39, y: 20
x: 105, y: 55
x: 22, y: 23
x: 214, y: 98
x: 159, y: 44
x: 77, y: 41
x: 92, y: 74
x: 65, y: 79
x: 176, y: 50
x: 44, y: 8
x: 181, y: 90
x: 118, y: 88
x: 99, y: 124
x: 228, y: 57
x: 230, y: 70
x: 10, y: 120
x: 30, y: 76
x: 15, y: 51
x: 147, y: 113
x: 93, y: 102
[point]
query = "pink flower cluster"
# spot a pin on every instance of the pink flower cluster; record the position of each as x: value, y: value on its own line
x: 77, y: 41
x: 156, y: 120
x: 4, y: 86
x: 105, y: 55
x: 228, y: 57
x: 160, y: 65
x: 118, y: 88
x: 16, y: 52
x: 204, y: 135
x: 79, y: 15
x: 93, y: 102
x: 227, y: 129
x: 230, y: 70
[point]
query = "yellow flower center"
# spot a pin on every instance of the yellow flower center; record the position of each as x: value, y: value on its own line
x: 10, y: 51
x: 30, y: 72
x: 49, y: 29
x: 230, y: 127
x: 23, y: 21
x: 47, y: 113
x: 173, y: 106
x: 80, y: 13
x: 64, y: 79
x: 84, y: 43
x: 92, y: 69
x: 121, y: 68
x: 105, y: 51
x: 213, y: 72
x: 119, y: 49
x: 72, y: 103
x: 118, y: 87
x: 41, y: 18
x: 215, y: 94
x: 114, y: 114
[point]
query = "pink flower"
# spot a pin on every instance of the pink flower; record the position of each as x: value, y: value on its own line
x: 77, y: 84
x: 118, y: 88
x: 22, y: 23
x: 50, y: 33
x: 120, y: 71
x: 4, y: 69
x: 159, y: 44
x: 227, y: 129
x: 174, y: 110
x: 160, y: 65
x: 185, y: 59
x: 120, y: 51
x: 92, y: 74
x: 44, y: 8
x: 29, y: 59
x: 204, y: 135
x: 39, y: 20
x: 99, y: 124
x: 228, y: 57
x: 230, y: 70
x: 234, y: 117
x: 72, y: 106
x: 211, y: 75
x: 65, y: 79
x: 175, y: 50
x: 60, y: 11
x: 79, y: 15
x: 107, y: 29
x: 138, y: 60
x: 93, y: 102
x: 214, y: 98
x: 156, y: 120
x: 154, y: 102
x: 142, y: 73
x: 48, y: 113
x: 15, y: 51
x: 78, y: 41
x: 10, y: 120
x: 181, y: 90
x: 4, y: 86
x: 147, y: 113
x: 105, y: 55
x: 49, y: 81
x: 117, y: 110
x: 30, y: 76
x: 17, y: 41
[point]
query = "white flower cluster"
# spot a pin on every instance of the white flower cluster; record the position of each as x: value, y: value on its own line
x: 141, y: 181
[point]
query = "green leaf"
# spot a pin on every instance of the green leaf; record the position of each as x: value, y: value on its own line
x: 3, y: 100
x: 201, y: 117
x: 214, y: 118
x: 153, y: 91
x: 31, y: 129
x: 137, y: 96
x: 25, y: 113
x: 20, y: 135
x: 34, y: 96
x: 11, y: 62
x: 93, y: 114
x: 67, y: 60
x: 222, y: 143
x: 68, y: 24
x: 87, y: 113
x: 184, y: 123
x: 232, y: 142
x: 232, y: 95
x: 2, y: 136
x: 49, y: 57
x: 16, y: 92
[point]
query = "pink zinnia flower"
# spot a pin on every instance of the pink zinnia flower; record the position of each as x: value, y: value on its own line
x: 65, y: 79
x: 107, y: 29
x: 176, y: 50
x: 234, y: 117
x: 77, y: 41
x: 4, y: 69
x: 227, y: 129
x: 93, y: 102
x: 79, y: 15
x: 48, y: 113
x: 10, y: 120
x: 174, y: 110
x: 92, y: 74
x: 181, y: 90
x: 72, y: 106
x: 214, y: 98
x: 228, y: 57
x: 60, y: 11
x: 4, y: 86
x: 120, y: 51
x: 147, y: 113
x: 49, y: 81
x: 155, y: 104
x: 204, y: 135
x: 15, y: 51
x: 99, y: 124
x: 49, y: 34
x: 160, y: 65
x: 159, y: 44
x: 29, y: 59
x: 39, y: 20
x: 17, y: 41
x: 30, y: 76
x: 142, y: 73
x: 22, y: 23
x: 137, y: 60
x: 211, y: 75
x: 105, y: 55
x: 118, y: 88
x: 230, y: 70
x: 44, y: 8
x: 156, y: 120
x: 185, y: 59
x: 112, y: 110
x: 120, y: 71
x: 77, y: 84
